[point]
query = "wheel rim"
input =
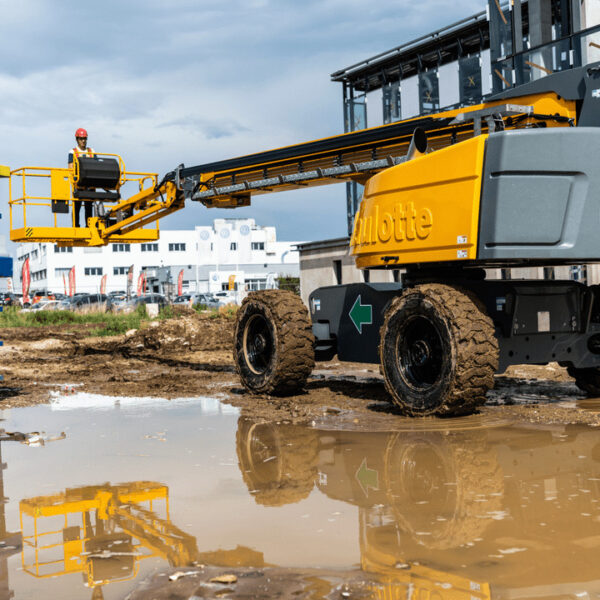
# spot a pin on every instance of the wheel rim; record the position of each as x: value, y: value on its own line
x: 258, y: 344
x: 419, y: 352
x: 421, y: 475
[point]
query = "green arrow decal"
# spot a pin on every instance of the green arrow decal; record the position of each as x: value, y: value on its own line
x: 367, y: 478
x: 361, y: 314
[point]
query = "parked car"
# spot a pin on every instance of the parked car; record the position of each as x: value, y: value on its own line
x: 149, y: 299
x: 66, y: 303
x: 45, y: 305
x: 205, y: 299
x: 136, y: 301
x: 40, y: 295
x: 91, y: 301
x: 116, y: 302
x: 10, y: 299
x: 226, y: 298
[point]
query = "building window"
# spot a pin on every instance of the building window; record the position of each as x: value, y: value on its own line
x: 233, y: 246
x: 177, y: 247
x: 337, y: 271
x: 34, y: 254
x: 121, y: 248
x: 93, y: 270
x: 149, y: 247
x: 38, y: 275
x: 366, y: 275
x: 253, y: 285
x: 225, y: 287
x: 61, y: 271
x: 58, y: 249
x: 120, y: 270
x: 258, y: 245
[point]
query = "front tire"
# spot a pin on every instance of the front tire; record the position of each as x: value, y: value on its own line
x: 273, y: 343
x: 438, y: 351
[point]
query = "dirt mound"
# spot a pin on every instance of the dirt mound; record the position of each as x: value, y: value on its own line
x: 189, y: 331
x: 44, y: 332
x: 182, y: 309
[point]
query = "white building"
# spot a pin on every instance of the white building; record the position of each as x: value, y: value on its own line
x: 208, y: 255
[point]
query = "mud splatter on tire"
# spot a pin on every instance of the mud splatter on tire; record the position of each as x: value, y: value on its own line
x: 273, y: 343
x: 438, y: 351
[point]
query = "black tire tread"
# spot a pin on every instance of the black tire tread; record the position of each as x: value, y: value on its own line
x: 587, y: 380
x: 294, y: 353
x: 476, y: 348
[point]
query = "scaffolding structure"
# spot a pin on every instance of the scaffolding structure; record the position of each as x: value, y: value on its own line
x: 510, y: 44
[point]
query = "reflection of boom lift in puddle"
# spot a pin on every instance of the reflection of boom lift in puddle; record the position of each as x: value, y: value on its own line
x: 103, y: 532
x: 433, y: 500
x: 282, y: 464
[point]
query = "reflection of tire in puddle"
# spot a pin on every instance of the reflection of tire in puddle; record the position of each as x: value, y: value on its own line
x: 443, y: 488
x: 278, y: 462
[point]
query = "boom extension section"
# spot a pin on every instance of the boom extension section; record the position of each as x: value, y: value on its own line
x: 356, y: 156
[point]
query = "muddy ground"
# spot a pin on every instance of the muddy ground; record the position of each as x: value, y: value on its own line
x: 191, y: 356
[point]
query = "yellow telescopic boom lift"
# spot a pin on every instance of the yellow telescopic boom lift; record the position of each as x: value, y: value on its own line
x: 510, y: 182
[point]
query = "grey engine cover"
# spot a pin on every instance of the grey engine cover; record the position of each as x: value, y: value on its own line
x: 541, y: 196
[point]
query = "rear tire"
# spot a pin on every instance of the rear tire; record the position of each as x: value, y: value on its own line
x: 438, y: 351
x: 273, y: 343
x: 587, y: 380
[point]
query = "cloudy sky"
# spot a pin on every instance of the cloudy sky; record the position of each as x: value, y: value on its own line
x: 184, y: 81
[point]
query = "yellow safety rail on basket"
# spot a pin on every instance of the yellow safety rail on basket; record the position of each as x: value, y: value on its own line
x: 36, y: 192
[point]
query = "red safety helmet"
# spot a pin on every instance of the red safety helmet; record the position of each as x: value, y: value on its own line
x: 81, y: 133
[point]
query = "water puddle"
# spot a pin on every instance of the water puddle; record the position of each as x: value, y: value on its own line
x: 119, y: 489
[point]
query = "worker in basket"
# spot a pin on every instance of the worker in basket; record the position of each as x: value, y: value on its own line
x: 81, y: 149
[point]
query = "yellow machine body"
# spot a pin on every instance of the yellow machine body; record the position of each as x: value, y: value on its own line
x: 424, y: 210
